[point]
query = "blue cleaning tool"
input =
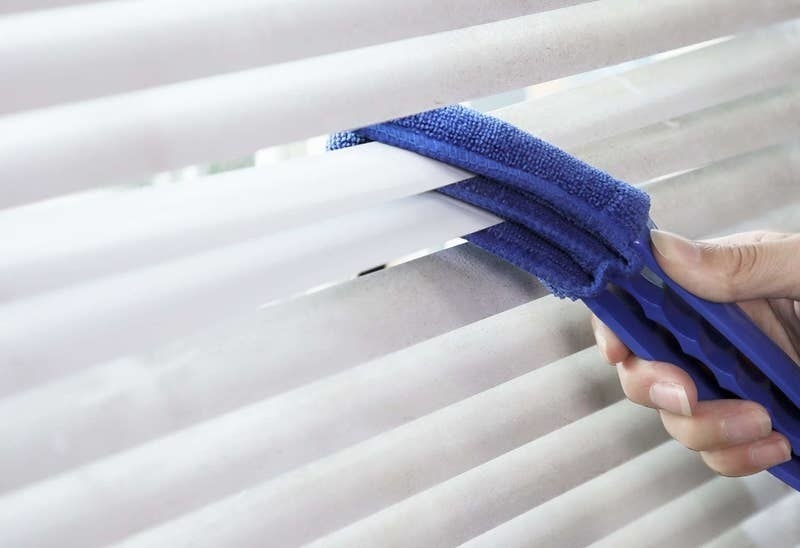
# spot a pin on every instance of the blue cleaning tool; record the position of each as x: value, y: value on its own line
x: 586, y: 235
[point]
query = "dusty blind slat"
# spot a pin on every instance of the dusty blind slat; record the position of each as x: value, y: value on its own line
x: 128, y: 136
x: 146, y: 43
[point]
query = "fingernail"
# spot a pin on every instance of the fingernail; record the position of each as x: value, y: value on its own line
x: 675, y: 248
x: 744, y: 427
x: 671, y: 397
x: 769, y: 453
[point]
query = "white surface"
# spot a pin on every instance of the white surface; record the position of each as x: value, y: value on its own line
x: 113, y: 140
x: 699, y: 515
x: 83, y: 237
x: 116, y: 405
x: 749, y: 123
x: 312, y: 424
x: 664, y: 88
x: 17, y: 6
x: 56, y: 56
x: 130, y: 312
x: 774, y: 526
x: 489, y: 494
x: 600, y: 506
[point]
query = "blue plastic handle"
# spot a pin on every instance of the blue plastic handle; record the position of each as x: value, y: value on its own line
x: 717, y: 344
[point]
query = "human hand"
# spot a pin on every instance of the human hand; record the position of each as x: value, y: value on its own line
x: 761, y: 272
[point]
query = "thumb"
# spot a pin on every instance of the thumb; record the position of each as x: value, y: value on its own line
x: 738, y: 268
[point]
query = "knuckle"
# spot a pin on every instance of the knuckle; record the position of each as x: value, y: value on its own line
x: 720, y: 467
x: 634, y: 388
x: 748, y: 406
x: 693, y: 443
x: 763, y: 235
x: 684, y: 431
x: 737, y: 269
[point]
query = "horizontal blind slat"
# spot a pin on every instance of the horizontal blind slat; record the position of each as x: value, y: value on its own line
x: 146, y: 43
x: 664, y: 88
x: 374, y: 480
x: 226, y: 459
x: 184, y: 218
x: 411, y: 385
x: 691, y: 519
x: 161, y: 222
x: 603, y: 504
x: 143, y: 308
x: 54, y: 151
x: 269, y: 366
x: 775, y: 525
x: 490, y: 494
x: 762, y: 120
x: 17, y: 6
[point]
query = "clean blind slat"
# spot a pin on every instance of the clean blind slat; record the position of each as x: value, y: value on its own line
x: 146, y: 43
x: 55, y: 151
x: 160, y: 222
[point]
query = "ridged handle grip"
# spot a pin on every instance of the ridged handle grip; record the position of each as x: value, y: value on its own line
x: 723, y: 351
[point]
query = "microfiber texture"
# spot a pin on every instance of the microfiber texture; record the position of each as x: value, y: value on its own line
x: 567, y: 223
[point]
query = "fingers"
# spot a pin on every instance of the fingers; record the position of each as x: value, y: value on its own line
x: 659, y: 385
x: 611, y: 348
x: 719, y: 424
x: 749, y: 458
x: 736, y: 268
x: 734, y: 437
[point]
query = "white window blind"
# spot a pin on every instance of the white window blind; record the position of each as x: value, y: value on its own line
x: 196, y: 363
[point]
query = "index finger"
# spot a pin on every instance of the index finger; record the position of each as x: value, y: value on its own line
x: 612, y: 349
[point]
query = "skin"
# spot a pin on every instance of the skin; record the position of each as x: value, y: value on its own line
x: 761, y: 272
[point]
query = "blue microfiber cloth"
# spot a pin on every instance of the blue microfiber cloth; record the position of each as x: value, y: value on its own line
x: 586, y: 235
x: 569, y: 224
